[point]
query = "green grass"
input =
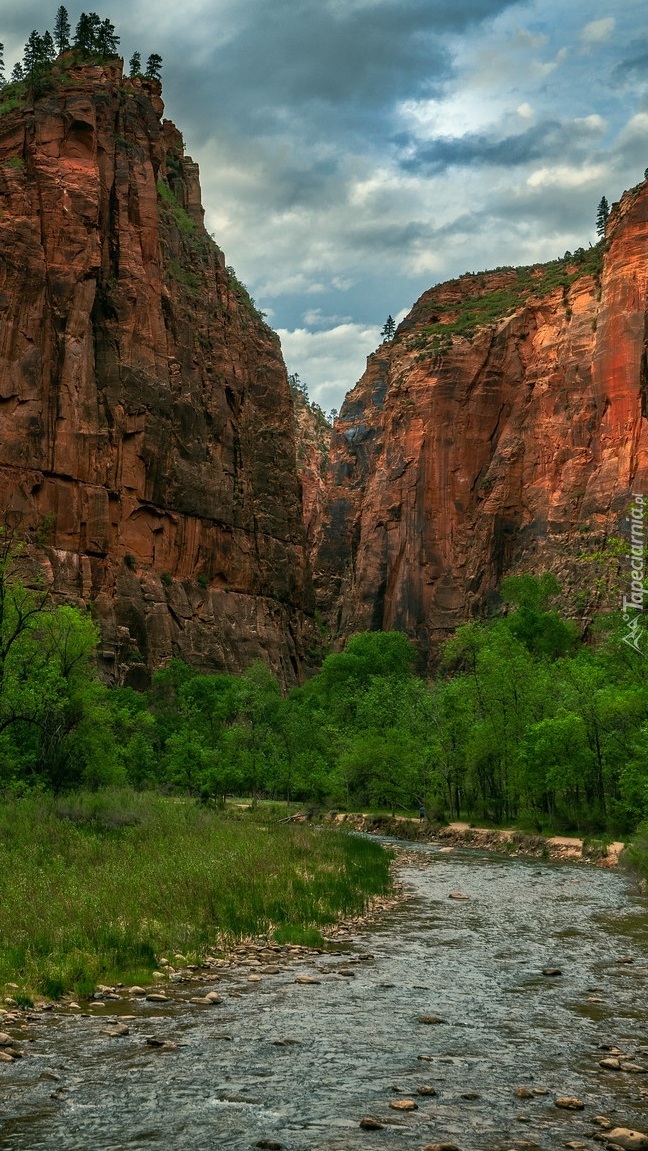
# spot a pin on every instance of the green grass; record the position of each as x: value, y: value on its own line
x: 97, y: 886
x: 479, y: 309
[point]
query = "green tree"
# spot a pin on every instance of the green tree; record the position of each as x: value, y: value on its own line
x: 154, y: 67
x: 106, y: 41
x: 135, y: 65
x: 62, y: 29
x: 602, y: 215
x: 389, y: 328
x: 86, y: 33
x: 2, y: 67
x: 17, y: 74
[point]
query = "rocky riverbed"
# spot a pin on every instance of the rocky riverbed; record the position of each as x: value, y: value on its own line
x: 499, y: 1005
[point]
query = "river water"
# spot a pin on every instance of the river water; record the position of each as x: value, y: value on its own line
x: 300, y: 1065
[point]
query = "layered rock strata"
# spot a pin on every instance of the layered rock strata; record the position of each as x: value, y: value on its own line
x: 146, y: 424
x: 475, y: 447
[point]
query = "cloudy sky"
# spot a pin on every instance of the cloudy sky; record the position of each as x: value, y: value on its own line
x: 355, y: 152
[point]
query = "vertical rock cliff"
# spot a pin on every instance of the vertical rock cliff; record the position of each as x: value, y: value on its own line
x: 502, y: 430
x: 146, y: 424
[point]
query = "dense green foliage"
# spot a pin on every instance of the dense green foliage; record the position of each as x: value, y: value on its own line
x: 523, y: 722
x: 96, y: 886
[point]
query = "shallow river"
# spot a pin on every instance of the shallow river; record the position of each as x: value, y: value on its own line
x: 303, y: 1063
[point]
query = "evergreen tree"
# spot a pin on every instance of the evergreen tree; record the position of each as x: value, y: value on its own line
x: 17, y: 74
x: 2, y: 66
x: 87, y: 33
x: 107, y: 41
x: 49, y: 48
x: 62, y: 30
x: 135, y: 64
x: 602, y: 214
x: 389, y: 328
x: 154, y: 67
x: 35, y: 53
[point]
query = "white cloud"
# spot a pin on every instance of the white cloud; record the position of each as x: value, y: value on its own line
x: 597, y: 31
x: 525, y: 111
x: 329, y: 361
x: 564, y: 176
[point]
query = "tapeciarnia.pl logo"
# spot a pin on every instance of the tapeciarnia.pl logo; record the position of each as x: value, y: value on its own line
x: 634, y: 604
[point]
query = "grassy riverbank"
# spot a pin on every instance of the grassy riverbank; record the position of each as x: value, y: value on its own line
x: 95, y: 886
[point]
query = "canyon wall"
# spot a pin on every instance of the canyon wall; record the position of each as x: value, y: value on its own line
x: 478, y: 445
x: 146, y: 426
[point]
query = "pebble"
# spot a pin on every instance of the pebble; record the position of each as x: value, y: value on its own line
x: 610, y: 1063
x: 5, y: 1057
x: 551, y: 971
x: 213, y: 997
x: 5, y: 1040
x: 369, y: 1123
x: 570, y: 1103
x: 523, y: 1093
x: 161, y: 1044
x: 426, y: 1089
x: 403, y: 1105
x: 307, y: 979
x: 430, y: 1019
x: 628, y: 1065
x: 458, y: 895
x: 470, y: 1095
x: 137, y: 990
x: 157, y: 997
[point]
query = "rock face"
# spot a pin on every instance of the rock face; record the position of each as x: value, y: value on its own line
x: 146, y: 426
x: 475, y: 447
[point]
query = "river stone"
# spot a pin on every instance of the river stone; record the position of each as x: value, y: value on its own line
x: 523, y: 1093
x: 551, y: 971
x: 627, y: 1139
x: 213, y: 997
x: 430, y: 1019
x: 157, y: 997
x: 137, y: 990
x: 161, y: 1044
x: 426, y: 1089
x: 610, y: 1064
x: 5, y: 1057
x: 628, y: 1065
x: 440, y: 1147
x: 403, y: 1105
x: 458, y: 895
x: 603, y: 1121
x: 570, y: 1103
x: 269, y: 1144
x: 369, y: 1123
x: 115, y: 1032
x: 307, y: 979
x: 470, y: 1095
x: 6, y: 1040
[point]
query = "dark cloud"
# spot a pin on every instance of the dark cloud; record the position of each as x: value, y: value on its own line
x: 548, y: 140
x: 634, y: 67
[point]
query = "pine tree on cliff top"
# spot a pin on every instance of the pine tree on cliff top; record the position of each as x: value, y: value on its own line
x: 389, y: 328
x: 62, y: 29
x: 602, y: 214
x: 2, y: 66
x: 86, y: 33
x: 135, y: 64
x: 107, y: 41
x: 154, y: 67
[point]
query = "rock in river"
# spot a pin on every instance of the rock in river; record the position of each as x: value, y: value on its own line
x: 369, y: 1123
x: 430, y: 1019
x: 570, y: 1103
x: 403, y: 1105
x: 628, y: 1139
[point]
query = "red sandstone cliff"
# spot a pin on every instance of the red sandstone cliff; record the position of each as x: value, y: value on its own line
x: 146, y: 427
x: 476, y: 447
